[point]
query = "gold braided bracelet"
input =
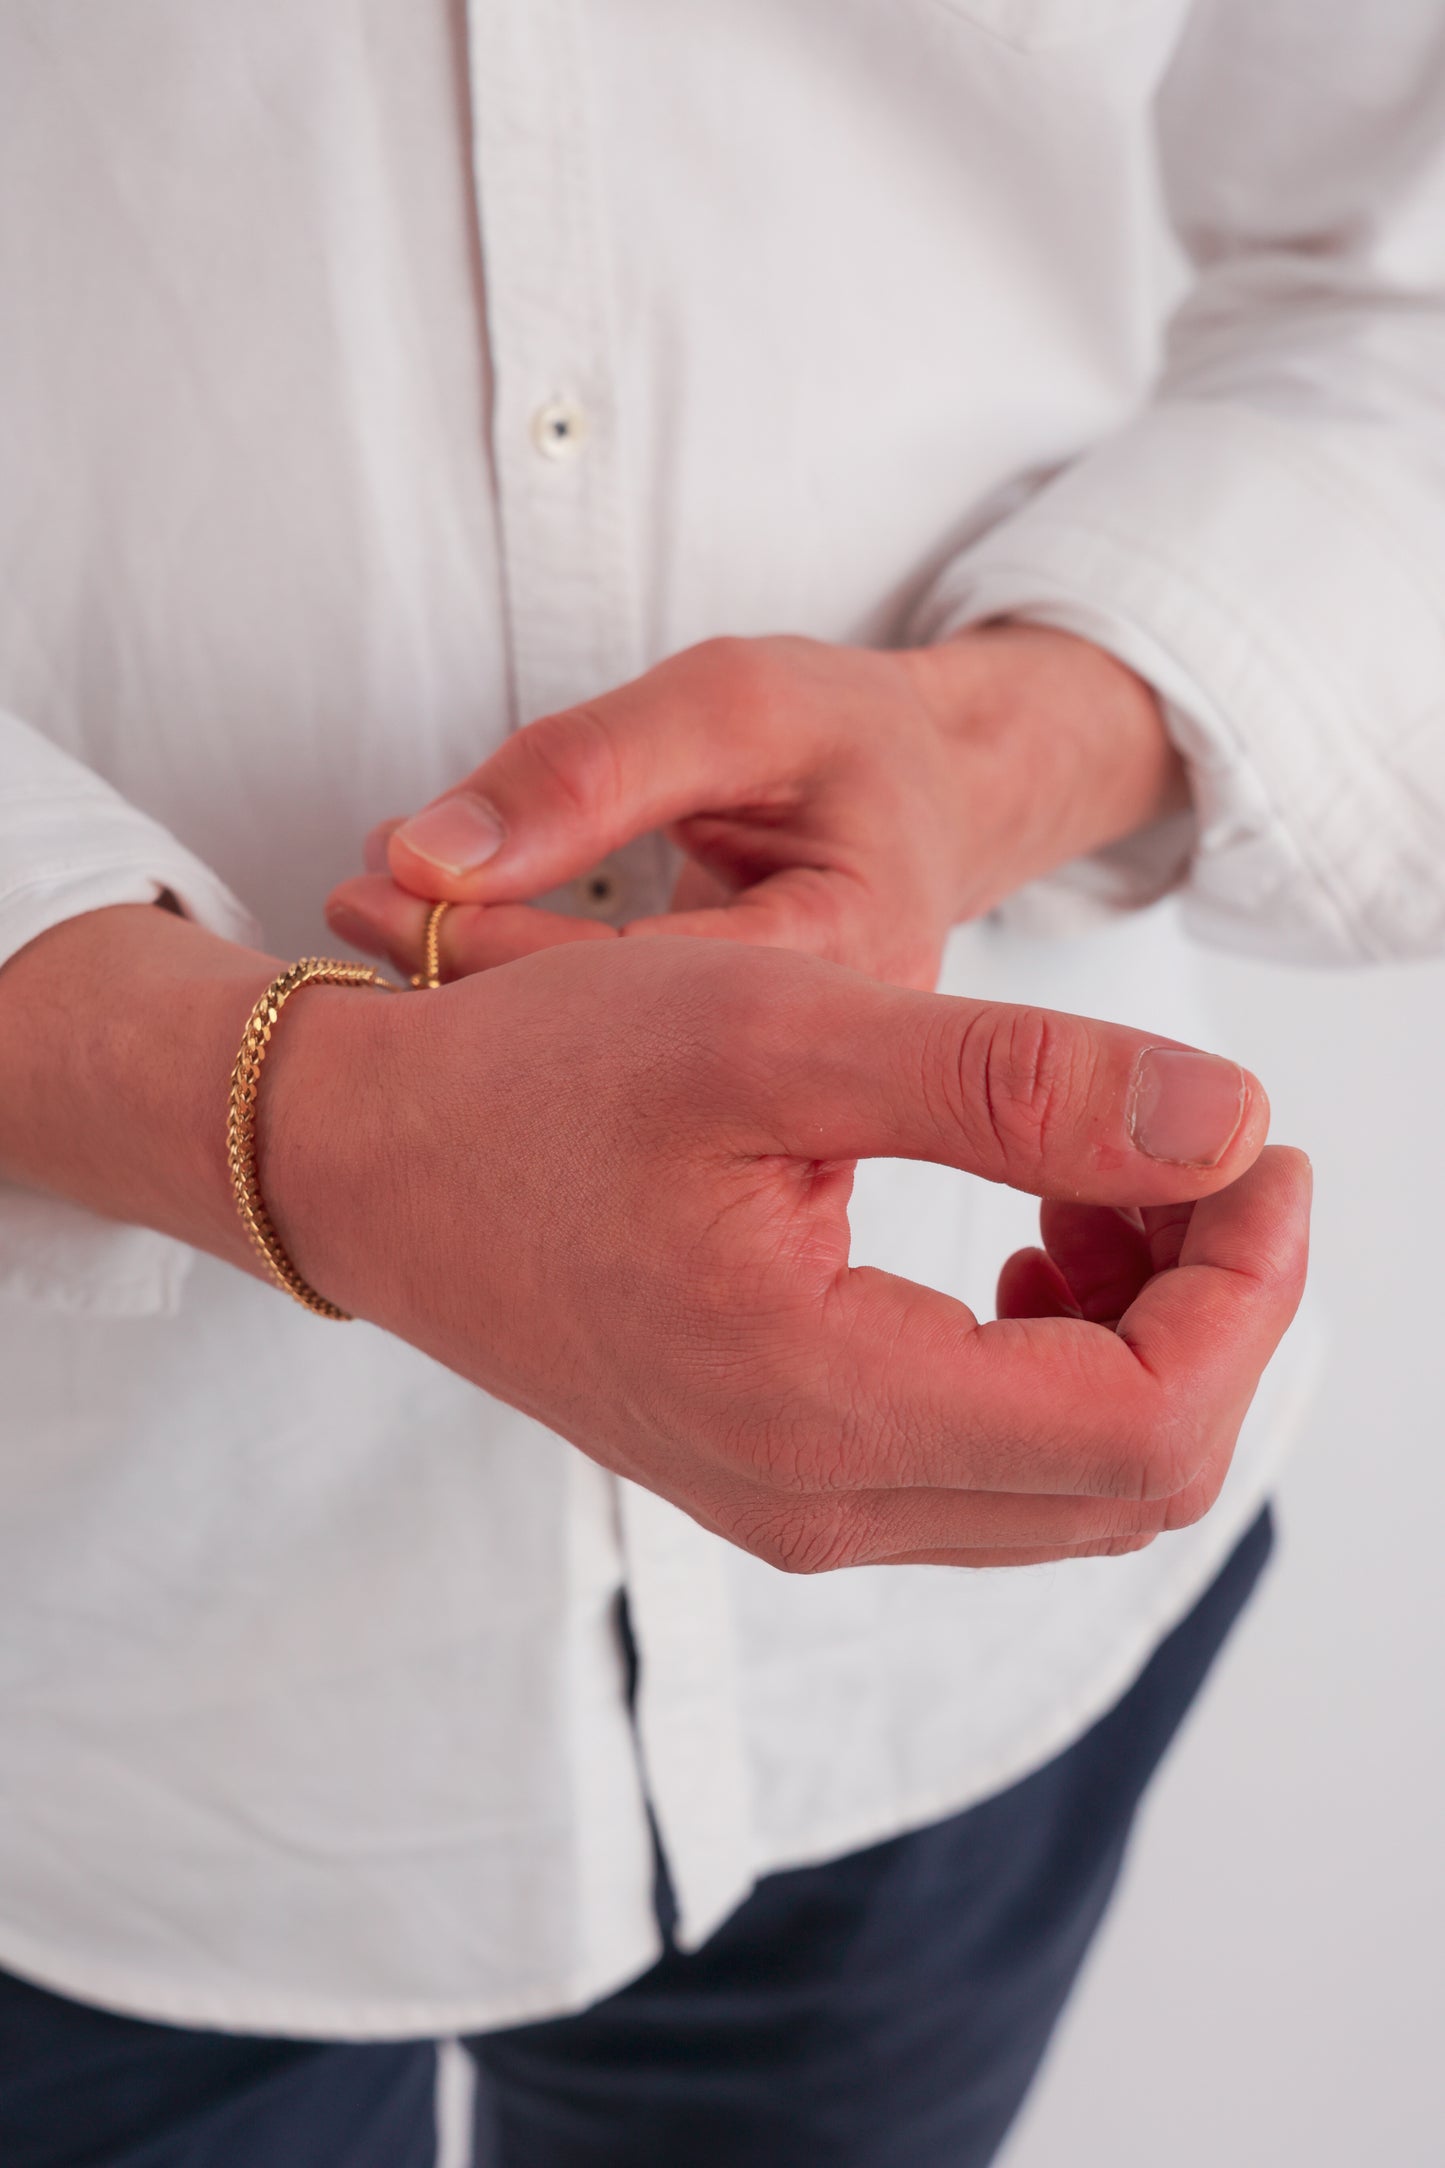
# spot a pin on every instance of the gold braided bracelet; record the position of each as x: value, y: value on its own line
x: 429, y: 978
x: 241, y: 1121
x: 245, y: 1097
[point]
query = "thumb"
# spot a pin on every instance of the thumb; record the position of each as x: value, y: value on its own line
x: 1060, y: 1105
x: 570, y: 788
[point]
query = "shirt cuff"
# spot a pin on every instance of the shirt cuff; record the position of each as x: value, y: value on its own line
x: 1271, y: 591
x: 68, y: 844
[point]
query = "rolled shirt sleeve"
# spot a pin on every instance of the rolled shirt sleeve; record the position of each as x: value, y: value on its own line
x: 1265, y: 543
x: 69, y: 843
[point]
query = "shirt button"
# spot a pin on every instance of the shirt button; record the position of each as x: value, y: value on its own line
x: 608, y: 891
x: 597, y: 894
x: 558, y: 429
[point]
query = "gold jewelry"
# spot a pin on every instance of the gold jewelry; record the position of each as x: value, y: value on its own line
x: 430, y: 974
x: 241, y: 1121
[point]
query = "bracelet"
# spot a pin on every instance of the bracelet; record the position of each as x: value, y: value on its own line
x: 430, y: 975
x: 241, y: 1121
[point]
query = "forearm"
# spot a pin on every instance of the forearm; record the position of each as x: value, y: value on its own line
x: 118, y: 1029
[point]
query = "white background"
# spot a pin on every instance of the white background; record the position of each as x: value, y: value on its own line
x: 1270, y: 1989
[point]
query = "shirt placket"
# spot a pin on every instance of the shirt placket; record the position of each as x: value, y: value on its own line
x: 569, y: 606
x: 569, y: 596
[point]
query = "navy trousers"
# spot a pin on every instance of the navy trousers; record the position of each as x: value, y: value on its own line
x: 887, y: 2010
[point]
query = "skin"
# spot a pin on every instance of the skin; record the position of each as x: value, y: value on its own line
x: 608, y: 1179
x: 843, y: 802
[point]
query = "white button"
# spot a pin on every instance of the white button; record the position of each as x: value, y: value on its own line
x: 558, y: 429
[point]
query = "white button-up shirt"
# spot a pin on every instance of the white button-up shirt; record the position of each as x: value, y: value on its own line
x: 377, y: 376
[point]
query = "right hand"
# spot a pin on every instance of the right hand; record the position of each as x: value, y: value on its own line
x: 609, y: 1184
x: 846, y: 802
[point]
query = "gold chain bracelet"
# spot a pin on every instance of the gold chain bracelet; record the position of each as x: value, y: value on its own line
x: 241, y: 1121
x: 429, y: 978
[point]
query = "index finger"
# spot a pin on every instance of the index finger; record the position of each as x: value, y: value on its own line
x: 690, y: 735
x: 926, y: 1397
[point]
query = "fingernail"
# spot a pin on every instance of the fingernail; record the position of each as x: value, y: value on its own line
x: 350, y: 926
x: 1186, y: 1107
x: 456, y: 835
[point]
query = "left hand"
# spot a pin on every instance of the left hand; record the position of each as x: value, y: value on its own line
x: 847, y: 802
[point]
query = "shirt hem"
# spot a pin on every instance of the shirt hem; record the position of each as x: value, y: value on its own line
x: 306, y: 2018
x: 290, y: 2018
x: 1068, y: 1722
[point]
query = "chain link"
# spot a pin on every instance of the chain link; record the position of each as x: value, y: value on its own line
x: 241, y: 1121
x: 430, y: 975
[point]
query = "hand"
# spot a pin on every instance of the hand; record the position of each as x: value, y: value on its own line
x: 612, y: 1189
x: 845, y: 802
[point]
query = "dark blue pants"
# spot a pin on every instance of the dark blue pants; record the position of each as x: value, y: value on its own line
x: 887, y: 2010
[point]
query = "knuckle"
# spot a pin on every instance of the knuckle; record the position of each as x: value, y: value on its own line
x: 754, y: 682
x: 820, y: 914
x: 798, y: 1538
x: 1293, y: 1272
x: 1132, y: 1527
x: 737, y: 670
x: 574, y: 756
x: 1160, y: 1454
x: 1195, y: 1498
x: 1122, y: 1546
x: 794, y: 1455
x: 725, y: 651
x: 1021, y: 1075
x: 1191, y: 1505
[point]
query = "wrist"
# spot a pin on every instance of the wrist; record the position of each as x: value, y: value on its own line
x: 328, y: 1135
x: 117, y: 1031
x: 1060, y: 746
